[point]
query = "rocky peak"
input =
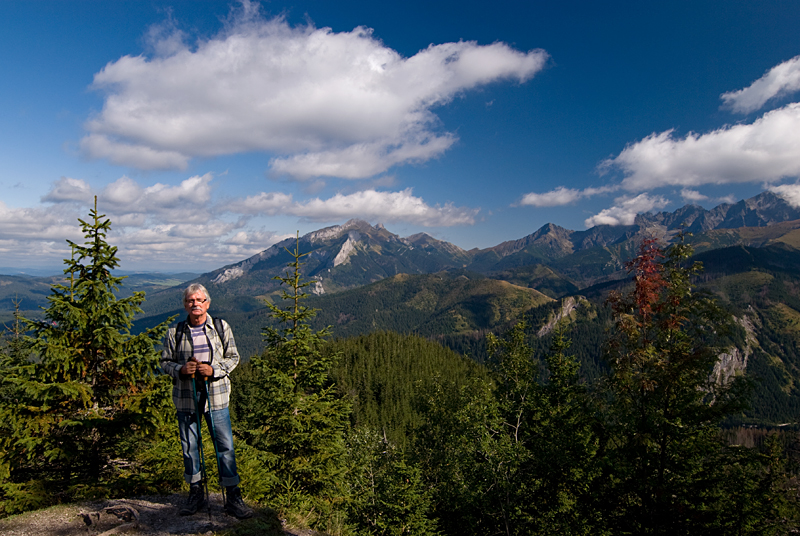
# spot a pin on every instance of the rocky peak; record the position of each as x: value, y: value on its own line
x: 336, y: 231
x: 364, y: 229
x: 426, y: 240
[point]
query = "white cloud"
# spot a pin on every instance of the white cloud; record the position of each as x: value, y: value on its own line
x: 562, y: 196
x: 138, y: 156
x: 67, y: 189
x: 359, y: 161
x: 385, y: 207
x: 270, y: 204
x: 165, y: 39
x: 559, y: 196
x: 781, y: 80
x: 766, y: 150
x: 692, y: 195
x: 154, y: 226
x: 38, y: 224
x: 625, y: 210
x: 187, y: 202
x: 324, y: 103
x: 368, y: 205
x: 254, y: 239
x: 789, y: 192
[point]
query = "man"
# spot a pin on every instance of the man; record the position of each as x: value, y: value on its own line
x: 200, y: 364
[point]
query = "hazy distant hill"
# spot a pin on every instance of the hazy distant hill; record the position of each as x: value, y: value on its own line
x: 31, y: 292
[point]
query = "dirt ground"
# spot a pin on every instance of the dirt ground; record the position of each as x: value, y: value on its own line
x: 153, y: 516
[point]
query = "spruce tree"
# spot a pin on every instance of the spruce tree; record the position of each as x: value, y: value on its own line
x: 665, y: 456
x: 564, y: 444
x: 386, y: 493
x: 14, y: 353
x: 546, y: 457
x: 91, y: 388
x: 293, y: 411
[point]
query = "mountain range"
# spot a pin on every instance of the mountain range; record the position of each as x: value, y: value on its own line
x: 355, y: 254
x: 367, y: 278
x: 553, y: 260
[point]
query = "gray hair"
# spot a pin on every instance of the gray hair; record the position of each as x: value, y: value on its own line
x: 194, y: 288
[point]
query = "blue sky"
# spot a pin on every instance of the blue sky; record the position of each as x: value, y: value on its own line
x: 210, y: 130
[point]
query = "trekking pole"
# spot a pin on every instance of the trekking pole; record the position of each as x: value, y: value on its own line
x: 200, y: 445
x: 216, y: 450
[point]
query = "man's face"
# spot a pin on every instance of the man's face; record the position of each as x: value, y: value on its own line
x: 196, y: 305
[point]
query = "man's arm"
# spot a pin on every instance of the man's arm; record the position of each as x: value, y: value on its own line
x: 169, y: 355
x: 225, y: 364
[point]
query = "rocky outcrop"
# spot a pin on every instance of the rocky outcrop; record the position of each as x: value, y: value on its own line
x: 348, y: 248
x: 568, y: 306
x: 734, y: 361
x: 238, y: 270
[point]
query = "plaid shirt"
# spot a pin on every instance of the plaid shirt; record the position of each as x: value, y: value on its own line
x: 222, y: 361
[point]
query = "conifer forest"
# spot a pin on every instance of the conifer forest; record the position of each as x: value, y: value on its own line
x: 389, y: 433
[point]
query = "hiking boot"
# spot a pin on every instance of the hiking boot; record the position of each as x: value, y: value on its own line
x: 234, y: 504
x: 196, y: 500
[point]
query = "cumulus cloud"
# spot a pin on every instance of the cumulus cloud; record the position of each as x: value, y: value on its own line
x: 562, y: 196
x: 323, y: 103
x: 386, y: 206
x: 766, y: 150
x: 43, y: 224
x: 368, y: 204
x: 625, y: 210
x: 187, y: 202
x: 67, y: 189
x: 692, y: 195
x: 781, y: 80
x: 359, y: 161
x: 559, y: 196
x: 269, y: 204
x: 157, y: 225
x: 138, y: 156
x: 789, y: 192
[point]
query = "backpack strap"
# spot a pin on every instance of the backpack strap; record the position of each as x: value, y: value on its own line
x: 220, y: 327
x: 179, y: 334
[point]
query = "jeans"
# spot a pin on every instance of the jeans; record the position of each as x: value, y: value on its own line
x: 187, y: 426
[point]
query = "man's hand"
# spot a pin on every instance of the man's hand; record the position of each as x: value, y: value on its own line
x: 192, y: 366
x: 189, y: 368
x: 205, y: 370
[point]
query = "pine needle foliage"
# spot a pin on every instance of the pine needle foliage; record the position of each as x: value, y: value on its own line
x: 90, y: 386
x: 293, y: 411
x: 387, y: 494
x: 665, y: 456
x: 548, y: 445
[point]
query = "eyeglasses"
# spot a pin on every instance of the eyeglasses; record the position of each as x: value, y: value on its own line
x: 192, y: 302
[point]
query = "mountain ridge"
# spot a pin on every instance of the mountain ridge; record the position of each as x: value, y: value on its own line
x: 356, y: 253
